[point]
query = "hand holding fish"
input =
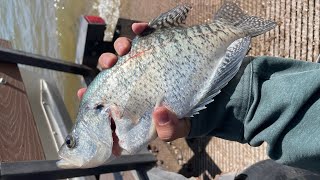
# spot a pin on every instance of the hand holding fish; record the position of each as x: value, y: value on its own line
x: 168, y: 126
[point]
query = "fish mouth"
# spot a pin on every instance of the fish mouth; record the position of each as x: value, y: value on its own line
x: 65, y: 164
x: 116, y: 149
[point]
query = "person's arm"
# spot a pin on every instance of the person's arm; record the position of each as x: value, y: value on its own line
x: 273, y: 100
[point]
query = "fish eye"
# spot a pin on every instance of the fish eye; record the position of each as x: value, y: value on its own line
x: 70, y: 142
x: 99, y: 107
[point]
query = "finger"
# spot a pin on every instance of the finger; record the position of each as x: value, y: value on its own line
x: 122, y: 45
x: 164, y: 124
x: 168, y: 126
x: 138, y: 28
x: 81, y: 92
x: 107, y: 60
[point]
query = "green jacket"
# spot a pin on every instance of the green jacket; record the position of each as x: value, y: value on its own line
x: 273, y: 100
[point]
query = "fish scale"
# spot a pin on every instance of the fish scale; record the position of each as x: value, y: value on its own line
x: 139, y: 105
x: 183, y: 68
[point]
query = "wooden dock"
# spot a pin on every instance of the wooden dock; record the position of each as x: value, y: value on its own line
x: 19, y: 138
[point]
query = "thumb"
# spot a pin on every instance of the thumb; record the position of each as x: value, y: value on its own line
x: 168, y: 126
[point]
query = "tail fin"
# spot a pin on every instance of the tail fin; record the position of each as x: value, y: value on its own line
x: 253, y: 26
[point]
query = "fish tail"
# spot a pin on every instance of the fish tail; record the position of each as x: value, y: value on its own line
x: 251, y: 25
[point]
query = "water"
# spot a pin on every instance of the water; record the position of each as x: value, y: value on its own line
x: 49, y: 28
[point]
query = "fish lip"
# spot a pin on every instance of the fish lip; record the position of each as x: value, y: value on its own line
x: 65, y: 164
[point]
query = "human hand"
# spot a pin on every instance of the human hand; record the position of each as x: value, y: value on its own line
x: 168, y: 126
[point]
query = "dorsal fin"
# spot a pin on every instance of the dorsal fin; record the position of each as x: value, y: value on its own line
x: 174, y: 17
x: 227, y: 70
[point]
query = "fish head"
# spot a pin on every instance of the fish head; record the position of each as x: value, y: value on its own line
x: 90, y: 142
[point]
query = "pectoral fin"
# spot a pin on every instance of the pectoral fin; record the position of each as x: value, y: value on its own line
x: 227, y: 70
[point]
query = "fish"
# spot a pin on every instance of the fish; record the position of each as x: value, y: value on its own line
x: 169, y: 64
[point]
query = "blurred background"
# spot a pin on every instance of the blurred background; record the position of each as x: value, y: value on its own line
x: 50, y: 28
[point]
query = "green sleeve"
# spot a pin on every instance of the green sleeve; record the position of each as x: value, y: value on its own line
x: 271, y: 100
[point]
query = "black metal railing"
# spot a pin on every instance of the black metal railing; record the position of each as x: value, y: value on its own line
x: 19, y: 57
x: 49, y: 170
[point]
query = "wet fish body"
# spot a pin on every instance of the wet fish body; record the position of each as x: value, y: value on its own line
x: 183, y: 68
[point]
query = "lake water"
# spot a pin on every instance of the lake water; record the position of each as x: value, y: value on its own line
x: 50, y: 28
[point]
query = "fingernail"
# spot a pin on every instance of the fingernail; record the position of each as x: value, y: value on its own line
x: 105, y: 62
x: 121, y: 49
x: 163, y: 118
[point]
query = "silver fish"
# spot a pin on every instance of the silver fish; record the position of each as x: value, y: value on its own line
x: 183, y: 68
